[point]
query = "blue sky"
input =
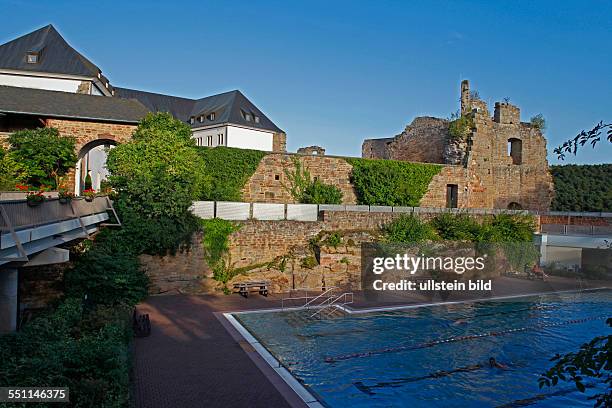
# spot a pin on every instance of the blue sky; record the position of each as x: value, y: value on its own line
x: 333, y: 73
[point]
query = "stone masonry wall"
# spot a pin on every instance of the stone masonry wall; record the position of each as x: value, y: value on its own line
x: 259, y: 246
x: 266, y: 184
x: 90, y: 134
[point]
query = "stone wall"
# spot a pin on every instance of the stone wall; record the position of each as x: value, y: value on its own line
x: 279, y: 251
x: 491, y: 178
x: 89, y: 135
x: 266, y: 184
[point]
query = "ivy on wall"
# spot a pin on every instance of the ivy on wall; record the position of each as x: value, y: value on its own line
x: 229, y: 170
x: 391, y: 182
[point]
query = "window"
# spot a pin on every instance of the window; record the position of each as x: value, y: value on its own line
x: 211, y: 116
x: 32, y: 57
x: 220, y: 138
x: 452, y: 195
x: 201, y: 118
x: 277, y: 177
x: 247, y: 117
x: 209, y: 140
x: 192, y: 120
x: 515, y: 150
x: 256, y: 119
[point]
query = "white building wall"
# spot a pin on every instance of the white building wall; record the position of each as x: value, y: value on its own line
x: 211, y: 137
x: 249, y: 138
x: 53, y: 84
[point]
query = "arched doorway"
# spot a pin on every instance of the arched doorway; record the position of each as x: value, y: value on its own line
x: 92, y: 162
x: 515, y: 206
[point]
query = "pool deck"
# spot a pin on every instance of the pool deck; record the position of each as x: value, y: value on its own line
x: 195, y: 358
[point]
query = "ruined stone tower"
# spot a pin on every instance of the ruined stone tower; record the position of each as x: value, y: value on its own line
x: 500, y: 162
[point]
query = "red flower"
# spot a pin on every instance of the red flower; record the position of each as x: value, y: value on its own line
x: 22, y: 187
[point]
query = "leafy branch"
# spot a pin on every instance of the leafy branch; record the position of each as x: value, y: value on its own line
x: 592, y: 136
x: 594, y: 359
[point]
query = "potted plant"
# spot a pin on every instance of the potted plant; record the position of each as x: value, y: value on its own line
x: 65, y: 196
x: 89, y: 194
x: 35, y: 198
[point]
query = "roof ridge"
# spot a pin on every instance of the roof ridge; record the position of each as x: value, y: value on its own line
x: 155, y: 93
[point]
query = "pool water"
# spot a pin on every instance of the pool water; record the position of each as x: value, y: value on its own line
x: 437, y: 356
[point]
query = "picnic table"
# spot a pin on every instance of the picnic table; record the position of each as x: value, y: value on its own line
x: 243, y: 288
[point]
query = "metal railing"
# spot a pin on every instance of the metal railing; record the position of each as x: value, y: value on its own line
x: 308, y: 300
x: 330, y: 306
x: 569, y: 229
x: 17, y: 214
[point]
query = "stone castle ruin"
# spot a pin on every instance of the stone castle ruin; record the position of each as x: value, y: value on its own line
x: 490, y: 161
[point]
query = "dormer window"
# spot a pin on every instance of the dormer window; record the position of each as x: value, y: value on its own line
x: 192, y: 120
x: 247, y: 117
x: 256, y: 119
x: 201, y: 118
x: 32, y: 57
x: 211, y: 116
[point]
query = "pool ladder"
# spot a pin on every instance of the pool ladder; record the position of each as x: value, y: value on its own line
x: 326, y: 303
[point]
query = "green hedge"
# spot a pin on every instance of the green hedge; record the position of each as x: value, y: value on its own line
x: 229, y: 169
x: 390, y: 182
x: 582, y: 187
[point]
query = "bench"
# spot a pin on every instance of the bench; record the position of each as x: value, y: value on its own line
x: 243, y: 288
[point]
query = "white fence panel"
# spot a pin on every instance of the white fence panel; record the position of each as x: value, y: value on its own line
x: 203, y: 209
x: 359, y: 208
x: 331, y: 207
x: 233, y: 211
x: 270, y: 212
x: 302, y: 212
x: 381, y: 208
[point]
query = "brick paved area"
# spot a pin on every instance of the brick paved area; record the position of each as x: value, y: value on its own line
x: 190, y: 359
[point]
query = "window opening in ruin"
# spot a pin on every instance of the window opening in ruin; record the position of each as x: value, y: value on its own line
x: 515, y: 150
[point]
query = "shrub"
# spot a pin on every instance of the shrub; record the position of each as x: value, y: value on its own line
x: 83, y: 349
x: 304, y: 189
x: 538, y: 122
x: 45, y: 155
x: 11, y: 171
x: 408, y: 229
x: 334, y: 239
x: 460, y: 128
x: 229, y: 169
x: 159, y: 173
x: 320, y: 193
x: 456, y: 227
x: 389, y: 182
x: 107, y: 277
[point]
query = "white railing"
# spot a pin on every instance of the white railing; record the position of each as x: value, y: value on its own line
x: 241, y: 211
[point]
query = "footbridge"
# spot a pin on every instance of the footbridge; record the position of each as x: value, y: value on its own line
x: 37, y: 235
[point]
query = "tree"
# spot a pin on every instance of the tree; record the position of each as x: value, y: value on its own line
x: 594, y: 359
x: 11, y: 172
x: 44, y: 153
x: 592, y: 136
x: 159, y: 172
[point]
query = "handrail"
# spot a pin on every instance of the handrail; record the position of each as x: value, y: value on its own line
x: 308, y: 302
x: 333, y: 302
x: 317, y: 297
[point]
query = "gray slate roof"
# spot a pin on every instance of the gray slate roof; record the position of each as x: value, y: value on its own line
x: 69, y: 105
x: 56, y: 55
x: 228, y: 107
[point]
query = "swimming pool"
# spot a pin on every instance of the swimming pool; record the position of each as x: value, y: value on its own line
x: 437, y: 356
